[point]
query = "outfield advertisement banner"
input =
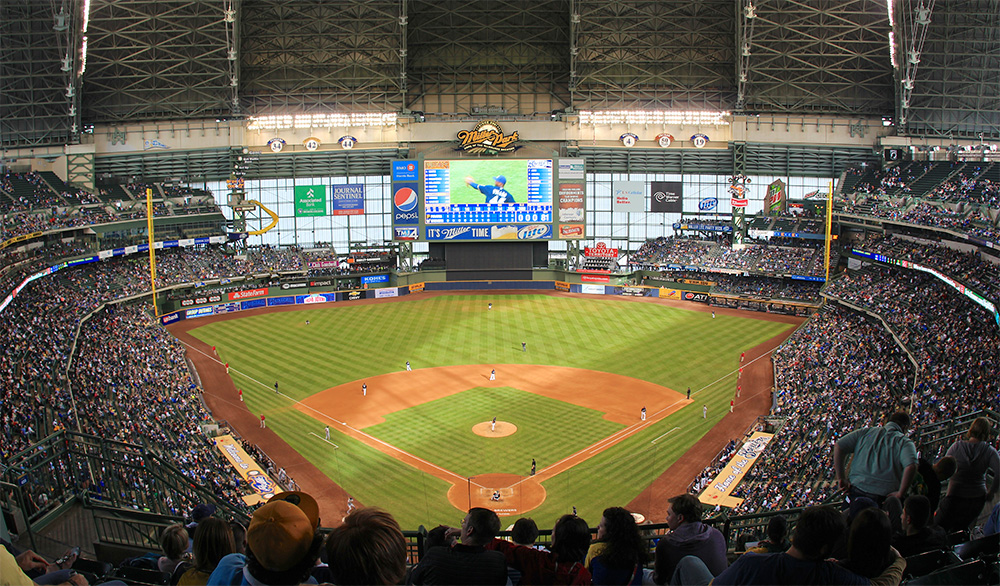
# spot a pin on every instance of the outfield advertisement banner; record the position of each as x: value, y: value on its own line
x: 372, y: 279
x: 349, y: 200
x: 273, y: 301
x: 595, y: 279
x: 719, y: 490
x: 315, y: 298
x: 238, y: 295
x: 310, y: 201
x: 562, y: 286
x: 386, y: 293
x: 416, y: 288
x: 253, y: 304
x: 669, y: 293
x: 353, y: 295
x: 592, y: 289
x: 264, y: 488
x: 699, y: 297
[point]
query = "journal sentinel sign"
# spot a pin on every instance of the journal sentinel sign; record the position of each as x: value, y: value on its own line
x: 348, y: 200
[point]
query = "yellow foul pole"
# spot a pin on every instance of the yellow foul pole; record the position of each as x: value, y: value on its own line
x: 829, y: 228
x: 152, y: 253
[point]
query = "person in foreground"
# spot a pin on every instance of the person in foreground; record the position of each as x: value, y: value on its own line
x: 805, y: 562
x: 562, y: 564
x: 369, y: 548
x: 468, y: 562
x: 282, y: 545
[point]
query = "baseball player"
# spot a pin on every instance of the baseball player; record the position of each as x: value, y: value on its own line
x: 240, y: 391
x: 493, y: 424
x: 742, y: 356
x: 364, y: 389
x: 642, y: 414
x: 495, y: 193
x: 275, y: 386
x: 713, y: 314
x: 350, y: 504
x: 704, y: 412
x: 732, y: 403
x: 408, y: 369
x: 689, y: 393
x: 227, y: 368
x: 262, y: 424
x: 524, y: 346
x: 489, y: 307
x: 327, y: 433
x: 532, y: 466
x: 493, y: 374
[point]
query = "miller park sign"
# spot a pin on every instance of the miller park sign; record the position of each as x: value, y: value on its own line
x: 487, y: 138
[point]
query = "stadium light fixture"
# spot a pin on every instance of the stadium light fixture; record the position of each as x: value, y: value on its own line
x: 655, y: 117
x: 329, y: 120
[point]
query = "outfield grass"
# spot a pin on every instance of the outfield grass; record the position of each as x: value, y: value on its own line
x: 672, y: 347
x: 438, y: 431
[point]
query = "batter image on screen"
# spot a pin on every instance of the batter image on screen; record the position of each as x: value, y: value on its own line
x: 495, y: 193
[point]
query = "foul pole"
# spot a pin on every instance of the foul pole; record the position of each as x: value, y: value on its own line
x: 152, y: 253
x: 829, y: 228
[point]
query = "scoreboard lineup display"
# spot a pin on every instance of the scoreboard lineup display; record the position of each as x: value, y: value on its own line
x: 485, y: 199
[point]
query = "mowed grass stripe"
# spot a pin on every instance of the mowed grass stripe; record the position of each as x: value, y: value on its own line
x: 668, y: 346
x: 548, y: 430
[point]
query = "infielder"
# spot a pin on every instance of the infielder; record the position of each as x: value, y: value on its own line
x: 408, y: 369
x: 493, y: 374
x: 494, y: 193
x: 642, y: 414
x: 364, y: 389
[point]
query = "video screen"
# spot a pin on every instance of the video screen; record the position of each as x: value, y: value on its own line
x: 488, y: 191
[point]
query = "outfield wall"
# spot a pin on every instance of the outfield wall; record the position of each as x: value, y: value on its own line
x: 258, y: 297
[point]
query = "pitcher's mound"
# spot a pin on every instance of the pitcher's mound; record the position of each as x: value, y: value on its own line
x: 503, y: 429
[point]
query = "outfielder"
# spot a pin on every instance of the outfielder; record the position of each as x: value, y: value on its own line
x: 408, y: 369
x: 327, y: 433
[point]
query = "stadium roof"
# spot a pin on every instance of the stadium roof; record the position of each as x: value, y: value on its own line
x: 66, y: 64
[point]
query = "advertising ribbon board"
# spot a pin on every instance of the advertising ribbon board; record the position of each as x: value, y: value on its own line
x: 263, y: 487
x: 719, y: 490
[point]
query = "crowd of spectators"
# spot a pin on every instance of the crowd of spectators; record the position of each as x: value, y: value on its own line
x: 954, y: 340
x: 968, y: 268
x: 804, y: 258
x: 767, y: 287
x: 45, y: 209
x: 837, y: 372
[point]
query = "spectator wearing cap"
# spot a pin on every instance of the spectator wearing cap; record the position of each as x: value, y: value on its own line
x: 468, y: 562
x: 884, y: 463
x: 369, y: 548
x: 283, y: 545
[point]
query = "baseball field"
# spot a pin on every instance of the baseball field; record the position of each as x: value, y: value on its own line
x: 422, y: 443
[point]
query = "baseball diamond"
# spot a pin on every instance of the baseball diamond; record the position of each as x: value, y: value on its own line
x: 418, y: 428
